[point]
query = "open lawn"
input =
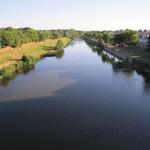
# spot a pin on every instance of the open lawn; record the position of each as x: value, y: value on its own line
x: 10, y: 55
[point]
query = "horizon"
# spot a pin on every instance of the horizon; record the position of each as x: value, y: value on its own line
x: 85, y: 15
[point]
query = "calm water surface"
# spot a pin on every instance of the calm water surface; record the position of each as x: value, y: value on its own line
x: 77, y: 102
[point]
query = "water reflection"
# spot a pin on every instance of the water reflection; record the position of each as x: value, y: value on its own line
x: 60, y: 54
x: 24, y: 71
x: 119, y: 66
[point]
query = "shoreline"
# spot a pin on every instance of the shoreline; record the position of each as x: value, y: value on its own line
x: 138, y: 63
x: 46, y: 48
x: 107, y: 49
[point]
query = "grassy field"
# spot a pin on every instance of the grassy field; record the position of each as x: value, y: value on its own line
x: 10, y: 55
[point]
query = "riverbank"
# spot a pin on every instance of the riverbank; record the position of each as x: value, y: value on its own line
x: 11, y: 58
x: 10, y: 55
x: 136, y: 56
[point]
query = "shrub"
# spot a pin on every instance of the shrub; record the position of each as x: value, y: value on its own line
x: 60, y: 46
x: 126, y: 38
x: 28, y: 60
x: 19, y: 65
x: 7, y: 72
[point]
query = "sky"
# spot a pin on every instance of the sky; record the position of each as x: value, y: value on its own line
x: 77, y: 14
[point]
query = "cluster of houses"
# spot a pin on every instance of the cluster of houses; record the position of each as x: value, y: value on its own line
x: 144, y: 38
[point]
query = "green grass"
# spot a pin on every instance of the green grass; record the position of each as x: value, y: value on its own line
x: 9, y: 56
x: 14, y: 59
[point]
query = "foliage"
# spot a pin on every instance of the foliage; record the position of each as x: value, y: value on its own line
x: 103, y: 37
x: 106, y: 36
x: 60, y: 46
x: 16, y: 37
x: 28, y: 56
x: 126, y: 38
x: 28, y: 60
x: 123, y: 38
x: 7, y: 72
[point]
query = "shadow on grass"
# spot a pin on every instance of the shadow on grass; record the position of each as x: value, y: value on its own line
x: 14, y: 59
x: 47, y: 47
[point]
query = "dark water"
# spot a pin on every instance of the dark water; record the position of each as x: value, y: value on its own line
x: 77, y: 102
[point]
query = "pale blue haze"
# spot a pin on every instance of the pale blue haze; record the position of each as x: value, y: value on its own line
x: 79, y: 14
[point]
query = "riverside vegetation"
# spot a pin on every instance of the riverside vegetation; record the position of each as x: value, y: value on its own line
x: 21, y: 48
x: 28, y: 57
x: 125, y: 43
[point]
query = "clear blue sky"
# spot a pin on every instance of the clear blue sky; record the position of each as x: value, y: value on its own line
x: 79, y: 14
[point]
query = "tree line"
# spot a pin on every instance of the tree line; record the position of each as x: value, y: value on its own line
x: 119, y: 38
x: 16, y: 37
x: 126, y: 38
x: 101, y: 36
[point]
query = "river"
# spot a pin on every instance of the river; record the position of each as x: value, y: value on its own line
x: 77, y: 102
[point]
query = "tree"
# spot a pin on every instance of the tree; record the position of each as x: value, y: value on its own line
x: 106, y: 36
x: 126, y: 38
x: 44, y: 35
x: 55, y: 35
x: 60, y: 46
x: 119, y: 39
x: 131, y: 37
x: 7, y: 39
x: 16, y: 37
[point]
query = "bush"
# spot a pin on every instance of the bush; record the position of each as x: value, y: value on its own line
x: 60, y: 46
x: 16, y: 37
x: 7, y: 72
x: 28, y: 60
x: 19, y: 65
x: 126, y: 38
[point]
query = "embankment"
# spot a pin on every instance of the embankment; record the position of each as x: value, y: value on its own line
x: 13, y: 60
x: 139, y: 63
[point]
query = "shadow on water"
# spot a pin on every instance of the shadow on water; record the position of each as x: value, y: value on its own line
x: 60, y: 54
x: 93, y: 113
x: 66, y: 122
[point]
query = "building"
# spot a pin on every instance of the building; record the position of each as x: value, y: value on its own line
x: 143, y: 39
